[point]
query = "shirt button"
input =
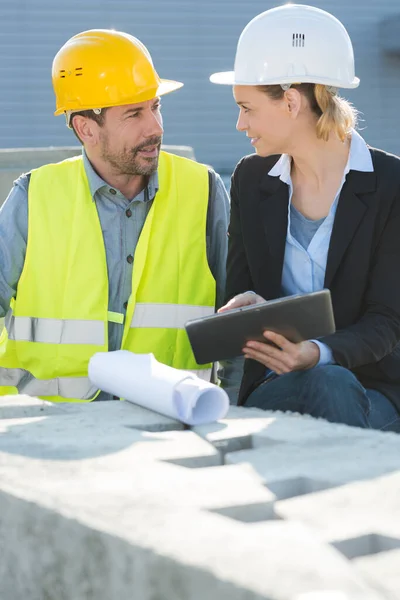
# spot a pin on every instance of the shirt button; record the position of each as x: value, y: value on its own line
x: 112, y: 191
x: 128, y: 212
x: 129, y: 259
x: 125, y: 305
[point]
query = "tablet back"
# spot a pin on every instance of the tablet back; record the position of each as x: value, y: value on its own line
x: 298, y: 318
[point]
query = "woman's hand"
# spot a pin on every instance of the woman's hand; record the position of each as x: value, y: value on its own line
x: 240, y: 300
x: 283, y: 356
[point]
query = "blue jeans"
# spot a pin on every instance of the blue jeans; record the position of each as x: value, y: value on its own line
x: 330, y: 392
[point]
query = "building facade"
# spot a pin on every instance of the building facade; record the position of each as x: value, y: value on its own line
x: 188, y: 40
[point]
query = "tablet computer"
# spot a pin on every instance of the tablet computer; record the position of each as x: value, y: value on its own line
x: 298, y: 318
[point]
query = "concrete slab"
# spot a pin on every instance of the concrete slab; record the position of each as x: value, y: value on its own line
x: 361, y: 518
x: 93, y: 508
x: 301, y: 429
x: 236, y: 431
x: 76, y: 436
x: 56, y: 550
x: 106, y: 413
x: 293, y: 469
x: 245, y: 428
x: 382, y: 572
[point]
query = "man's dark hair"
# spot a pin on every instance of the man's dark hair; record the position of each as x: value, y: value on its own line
x: 89, y: 114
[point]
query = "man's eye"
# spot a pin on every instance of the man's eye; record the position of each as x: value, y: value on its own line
x: 157, y: 107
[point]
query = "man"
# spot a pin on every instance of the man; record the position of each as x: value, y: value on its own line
x: 115, y: 249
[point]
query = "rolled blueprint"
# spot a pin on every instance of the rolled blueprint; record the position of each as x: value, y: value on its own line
x: 141, y: 379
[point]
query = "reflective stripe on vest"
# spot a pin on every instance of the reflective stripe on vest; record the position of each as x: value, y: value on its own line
x: 55, y: 331
x: 79, y: 331
x: 66, y: 387
x: 167, y: 316
x: 58, y: 331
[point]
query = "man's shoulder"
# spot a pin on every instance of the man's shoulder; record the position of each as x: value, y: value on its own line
x: 23, y: 181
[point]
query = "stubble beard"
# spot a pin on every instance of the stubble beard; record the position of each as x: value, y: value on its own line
x: 128, y: 162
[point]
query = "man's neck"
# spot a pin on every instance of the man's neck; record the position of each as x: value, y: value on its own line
x: 129, y: 185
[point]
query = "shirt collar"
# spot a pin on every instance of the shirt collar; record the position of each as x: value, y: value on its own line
x: 96, y: 183
x: 359, y: 160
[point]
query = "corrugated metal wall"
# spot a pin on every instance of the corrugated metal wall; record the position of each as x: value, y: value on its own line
x: 188, y: 39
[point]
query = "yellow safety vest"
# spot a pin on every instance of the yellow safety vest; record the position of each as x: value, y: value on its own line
x: 60, y: 316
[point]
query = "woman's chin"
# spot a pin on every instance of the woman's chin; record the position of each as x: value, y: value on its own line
x: 262, y: 151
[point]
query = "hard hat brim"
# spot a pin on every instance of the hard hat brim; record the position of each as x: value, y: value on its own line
x: 223, y: 78
x: 228, y: 78
x: 167, y: 86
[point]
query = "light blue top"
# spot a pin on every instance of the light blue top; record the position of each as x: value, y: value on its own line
x: 307, y: 242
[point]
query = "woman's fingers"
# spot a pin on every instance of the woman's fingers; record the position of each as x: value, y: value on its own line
x: 265, y: 360
x: 240, y: 300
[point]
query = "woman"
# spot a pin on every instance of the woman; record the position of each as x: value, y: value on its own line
x: 315, y: 207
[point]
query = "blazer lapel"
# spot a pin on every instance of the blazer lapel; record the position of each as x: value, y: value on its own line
x: 352, y: 205
x: 274, y: 199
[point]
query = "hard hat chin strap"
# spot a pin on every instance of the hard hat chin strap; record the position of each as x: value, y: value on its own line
x: 69, y: 113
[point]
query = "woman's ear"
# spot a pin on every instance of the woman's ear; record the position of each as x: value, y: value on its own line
x: 293, y: 101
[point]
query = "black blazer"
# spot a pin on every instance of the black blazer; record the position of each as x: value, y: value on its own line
x: 363, y: 265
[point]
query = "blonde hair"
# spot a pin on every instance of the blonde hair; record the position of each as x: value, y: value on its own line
x: 338, y: 115
x: 335, y: 114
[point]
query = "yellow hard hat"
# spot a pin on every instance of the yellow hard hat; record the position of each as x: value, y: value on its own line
x: 102, y: 68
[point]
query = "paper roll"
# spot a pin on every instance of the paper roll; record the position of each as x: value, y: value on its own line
x: 141, y: 379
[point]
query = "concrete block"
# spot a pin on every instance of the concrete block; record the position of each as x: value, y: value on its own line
x: 74, y: 431
x: 361, y: 518
x: 59, y: 551
x: 236, y: 431
x: 381, y: 571
x: 245, y: 428
x: 293, y: 469
x: 302, y: 429
x: 362, y: 521
x: 92, y: 507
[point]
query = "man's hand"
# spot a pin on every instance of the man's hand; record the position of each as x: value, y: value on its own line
x: 240, y: 300
x: 284, y: 356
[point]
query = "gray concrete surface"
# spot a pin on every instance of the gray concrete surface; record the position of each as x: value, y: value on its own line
x: 110, y: 501
x: 15, y: 161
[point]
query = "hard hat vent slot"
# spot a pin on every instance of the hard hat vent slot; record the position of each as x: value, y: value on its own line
x: 298, y: 40
x: 78, y: 71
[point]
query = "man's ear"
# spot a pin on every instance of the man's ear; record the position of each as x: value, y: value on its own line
x: 86, y: 129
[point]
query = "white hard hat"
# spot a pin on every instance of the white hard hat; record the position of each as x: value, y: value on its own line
x: 293, y: 44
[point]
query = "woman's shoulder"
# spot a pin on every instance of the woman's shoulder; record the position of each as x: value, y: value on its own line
x: 254, y: 166
x: 385, y: 162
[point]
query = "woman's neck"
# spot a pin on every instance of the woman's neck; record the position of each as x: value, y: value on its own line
x: 315, y: 162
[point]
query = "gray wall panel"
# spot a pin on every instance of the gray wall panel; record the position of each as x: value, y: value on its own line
x: 188, y: 40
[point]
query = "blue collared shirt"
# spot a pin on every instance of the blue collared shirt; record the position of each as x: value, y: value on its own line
x: 304, y: 268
